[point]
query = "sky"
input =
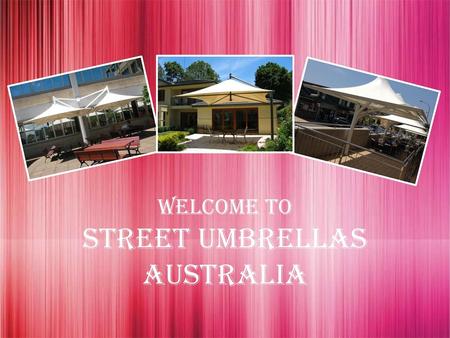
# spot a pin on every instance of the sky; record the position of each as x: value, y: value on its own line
x: 329, y: 75
x: 242, y: 67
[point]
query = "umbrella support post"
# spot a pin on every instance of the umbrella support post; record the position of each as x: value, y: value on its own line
x: 356, y: 116
x: 83, y: 130
x: 271, y: 116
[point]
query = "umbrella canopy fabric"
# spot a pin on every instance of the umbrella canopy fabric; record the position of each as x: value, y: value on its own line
x: 411, y: 129
x: 231, y: 90
x: 376, y: 95
x: 401, y: 120
x: 64, y: 120
x: 107, y: 99
x: 57, y: 111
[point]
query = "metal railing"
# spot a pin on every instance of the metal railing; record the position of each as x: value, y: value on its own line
x: 314, y: 143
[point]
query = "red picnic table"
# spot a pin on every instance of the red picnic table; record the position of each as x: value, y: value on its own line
x: 116, y: 144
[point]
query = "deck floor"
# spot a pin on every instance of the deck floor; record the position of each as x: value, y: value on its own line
x: 367, y: 161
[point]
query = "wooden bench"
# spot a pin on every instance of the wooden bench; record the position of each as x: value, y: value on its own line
x: 134, y: 145
x: 96, y: 156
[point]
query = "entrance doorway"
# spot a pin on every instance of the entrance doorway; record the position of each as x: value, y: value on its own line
x: 234, y: 119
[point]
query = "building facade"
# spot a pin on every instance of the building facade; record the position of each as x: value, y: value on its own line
x: 187, y: 113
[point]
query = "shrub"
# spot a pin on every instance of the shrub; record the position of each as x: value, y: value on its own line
x: 169, y: 143
x: 283, y: 142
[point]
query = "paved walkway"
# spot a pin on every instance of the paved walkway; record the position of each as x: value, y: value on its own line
x: 42, y: 167
x: 203, y: 143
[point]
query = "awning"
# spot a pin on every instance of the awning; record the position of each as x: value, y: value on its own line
x: 57, y: 111
x: 376, y: 95
x: 231, y: 90
x: 107, y: 99
x: 411, y: 129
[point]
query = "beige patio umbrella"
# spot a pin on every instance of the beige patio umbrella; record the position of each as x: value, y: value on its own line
x: 233, y: 90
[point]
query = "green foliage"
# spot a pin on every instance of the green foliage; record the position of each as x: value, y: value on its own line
x: 146, y: 95
x: 249, y: 147
x: 283, y: 142
x: 174, y: 72
x: 170, y: 140
x: 275, y: 77
x: 168, y: 144
x: 200, y: 70
x: 161, y: 72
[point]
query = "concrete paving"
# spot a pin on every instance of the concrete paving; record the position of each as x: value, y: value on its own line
x: 200, y: 143
x: 42, y: 167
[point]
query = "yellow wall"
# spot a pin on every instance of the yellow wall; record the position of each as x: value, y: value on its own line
x: 204, y: 117
x: 172, y: 117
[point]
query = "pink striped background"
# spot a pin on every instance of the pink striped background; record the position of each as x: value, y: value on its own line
x: 397, y: 286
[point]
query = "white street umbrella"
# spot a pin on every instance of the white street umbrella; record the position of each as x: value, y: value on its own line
x: 57, y: 111
x: 107, y: 99
x: 401, y: 120
x: 375, y: 96
x: 411, y: 129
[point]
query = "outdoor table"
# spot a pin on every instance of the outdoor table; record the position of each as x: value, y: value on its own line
x: 119, y: 144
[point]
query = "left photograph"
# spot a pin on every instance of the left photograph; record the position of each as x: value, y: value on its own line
x: 84, y: 118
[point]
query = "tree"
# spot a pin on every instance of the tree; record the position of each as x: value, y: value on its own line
x: 277, y: 78
x: 161, y: 72
x: 146, y: 94
x: 200, y: 70
x: 173, y: 71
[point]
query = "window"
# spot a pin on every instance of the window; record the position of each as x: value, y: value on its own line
x: 40, y: 86
x: 224, y: 119
x: 31, y: 133
x: 58, y: 129
x: 110, y: 116
x: 102, y: 119
x: 93, y: 120
x: 126, y: 113
x: 161, y: 95
x: 119, y: 115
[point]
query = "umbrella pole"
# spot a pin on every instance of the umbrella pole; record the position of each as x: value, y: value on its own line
x: 76, y: 93
x: 271, y: 116
x: 83, y: 130
x: 355, y: 119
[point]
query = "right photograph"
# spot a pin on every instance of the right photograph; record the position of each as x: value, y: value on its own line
x: 363, y: 121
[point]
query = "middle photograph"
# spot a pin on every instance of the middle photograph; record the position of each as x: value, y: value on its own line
x: 232, y: 103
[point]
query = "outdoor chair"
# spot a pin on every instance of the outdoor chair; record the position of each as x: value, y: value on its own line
x: 243, y: 132
x: 212, y: 133
x: 48, y: 153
